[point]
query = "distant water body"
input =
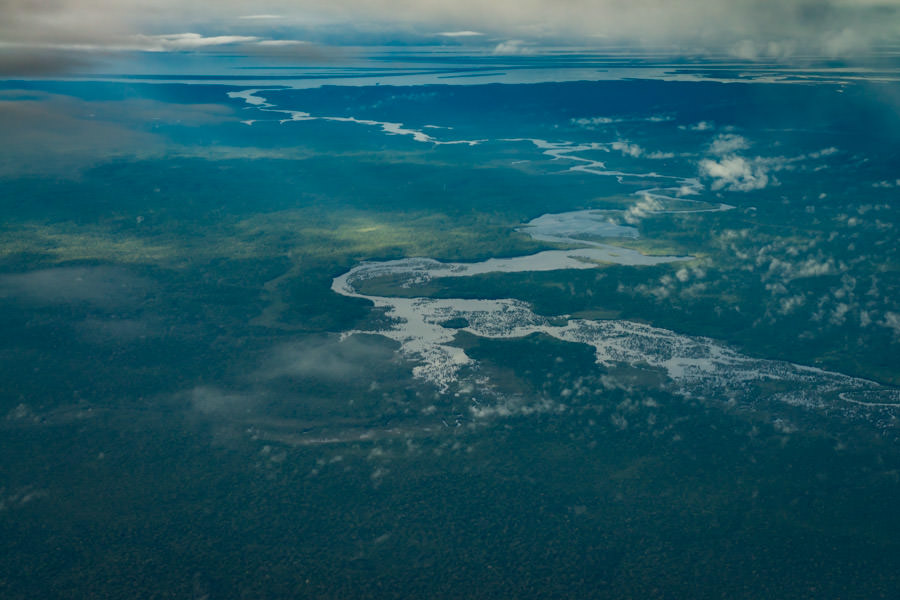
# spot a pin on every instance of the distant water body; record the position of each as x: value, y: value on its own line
x: 426, y: 65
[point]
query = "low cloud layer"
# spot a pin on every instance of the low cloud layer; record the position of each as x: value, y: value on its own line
x: 101, y: 286
x: 61, y: 135
x: 328, y: 358
x: 742, y: 28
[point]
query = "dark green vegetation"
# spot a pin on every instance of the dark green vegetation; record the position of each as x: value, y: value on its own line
x: 150, y: 506
x: 179, y: 418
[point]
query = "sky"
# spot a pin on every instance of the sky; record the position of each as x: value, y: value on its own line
x: 43, y: 37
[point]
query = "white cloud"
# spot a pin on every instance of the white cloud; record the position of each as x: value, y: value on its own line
x: 646, y: 206
x: 813, y: 268
x: 789, y: 305
x: 728, y: 143
x: 892, y: 321
x: 513, y: 48
x: 865, y: 319
x: 735, y: 173
x: 839, y: 314
x: 635, y: 151
x: 701, y: 126
x: 628, y: 149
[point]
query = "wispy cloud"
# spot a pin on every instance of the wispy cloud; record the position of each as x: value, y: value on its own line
x: 215, y: 402
x: 260, y: 17
x: 186, y: 41
x: 277, y: 43
x: 460, y: 34
x: 601, y: 122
